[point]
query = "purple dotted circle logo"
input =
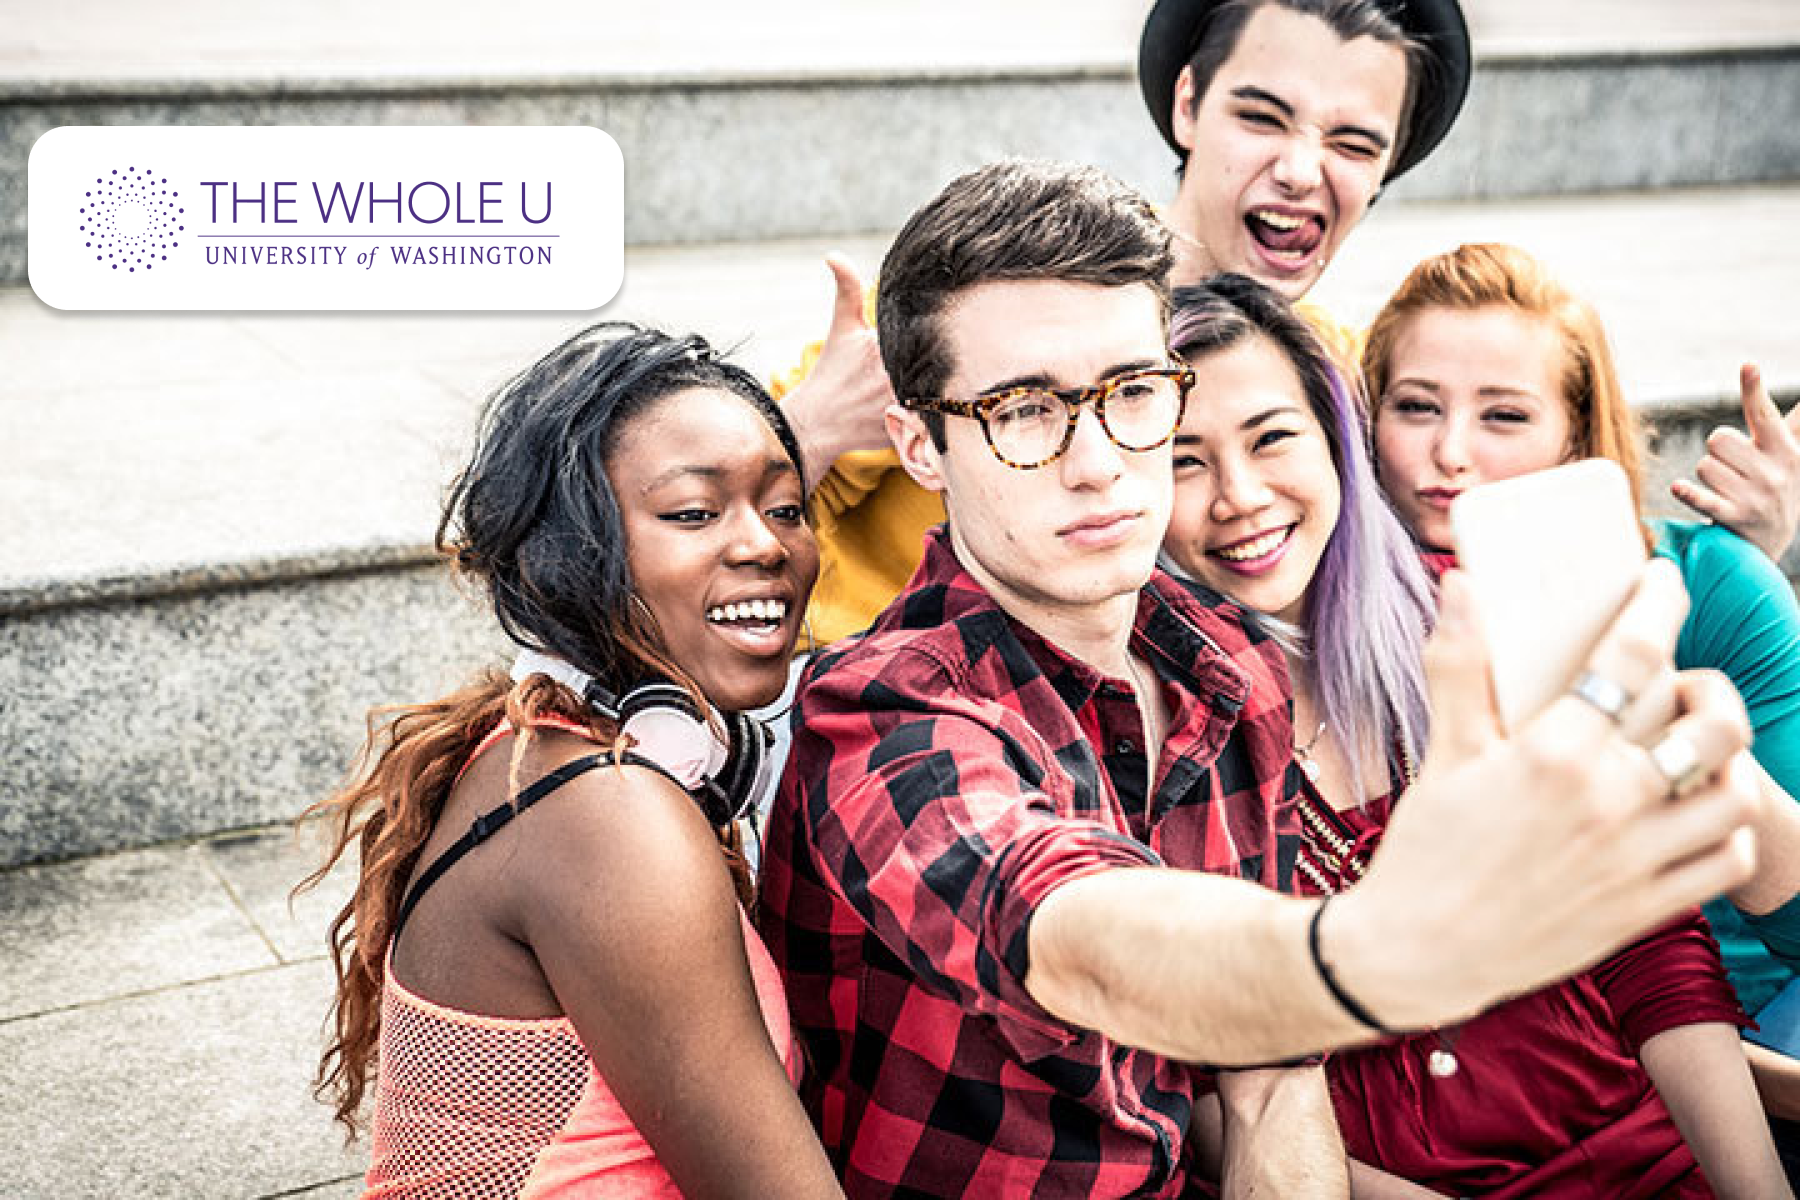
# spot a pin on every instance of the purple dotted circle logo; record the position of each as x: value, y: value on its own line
x: 129, y: 219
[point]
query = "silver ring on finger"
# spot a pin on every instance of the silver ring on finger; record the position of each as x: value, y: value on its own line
x: 1677, y: 759
x: 1606, y: 695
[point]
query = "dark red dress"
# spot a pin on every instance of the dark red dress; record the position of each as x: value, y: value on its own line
x: 1549, y: 1099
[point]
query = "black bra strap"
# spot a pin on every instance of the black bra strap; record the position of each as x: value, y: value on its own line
x: 491, y: 821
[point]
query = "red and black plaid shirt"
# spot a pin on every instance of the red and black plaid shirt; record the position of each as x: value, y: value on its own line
x: 950, y: 769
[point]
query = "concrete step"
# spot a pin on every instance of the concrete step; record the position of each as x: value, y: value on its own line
x: 216, y: 554
x: 765, y: 121
x: 163, y: 1011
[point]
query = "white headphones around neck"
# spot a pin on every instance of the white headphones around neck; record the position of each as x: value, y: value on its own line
x: 724, y: 775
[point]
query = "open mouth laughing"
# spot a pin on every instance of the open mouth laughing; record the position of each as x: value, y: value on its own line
x: 1287, y: 237
x: 757, y: 625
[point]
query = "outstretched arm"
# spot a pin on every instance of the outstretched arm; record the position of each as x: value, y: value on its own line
x: 1699, y: 1071
x: 1569, y: 819
x: 1750, y: 482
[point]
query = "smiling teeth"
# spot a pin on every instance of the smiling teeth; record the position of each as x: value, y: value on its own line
x: 1279, y: 221
x: 1256, y: 548
x: 749, y: 610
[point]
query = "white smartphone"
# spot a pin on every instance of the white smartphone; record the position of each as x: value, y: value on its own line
x: 1552, y: 557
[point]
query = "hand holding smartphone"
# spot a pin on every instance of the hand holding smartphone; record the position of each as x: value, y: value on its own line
x: 1551, y: 558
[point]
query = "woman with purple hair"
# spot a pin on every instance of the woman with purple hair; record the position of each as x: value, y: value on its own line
x: 1277, y: 510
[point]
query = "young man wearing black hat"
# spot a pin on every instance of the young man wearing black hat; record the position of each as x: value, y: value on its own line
x: 1289, y: 116
x: 1012, y: 878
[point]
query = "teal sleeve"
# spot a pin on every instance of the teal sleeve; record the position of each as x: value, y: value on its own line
x: 1743, y: 621
x: 1779, y: 931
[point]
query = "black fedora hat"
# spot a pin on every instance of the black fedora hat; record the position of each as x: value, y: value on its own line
x: 1172, y: 30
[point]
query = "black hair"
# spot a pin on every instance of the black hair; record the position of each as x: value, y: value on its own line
x: 1369, y: 602
x: 534, y: 514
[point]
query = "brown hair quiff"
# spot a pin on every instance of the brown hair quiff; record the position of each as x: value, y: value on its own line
x: 1010, y: 220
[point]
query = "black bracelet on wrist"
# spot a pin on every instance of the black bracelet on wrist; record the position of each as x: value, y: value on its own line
x: 1347, y: 1002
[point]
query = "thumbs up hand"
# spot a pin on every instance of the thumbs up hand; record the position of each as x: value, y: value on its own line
x: 1749, y: 482
x: 838, y: 408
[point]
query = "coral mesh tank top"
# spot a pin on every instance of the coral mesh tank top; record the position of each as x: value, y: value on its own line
x: 473, y: 1107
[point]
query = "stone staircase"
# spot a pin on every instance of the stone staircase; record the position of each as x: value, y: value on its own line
x: 216, y: 554
x: 215, y: 527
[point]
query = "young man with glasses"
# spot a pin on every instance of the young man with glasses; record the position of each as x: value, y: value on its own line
x: 1019, y: 875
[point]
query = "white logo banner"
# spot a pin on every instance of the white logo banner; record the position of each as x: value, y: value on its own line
x: 291, y: 217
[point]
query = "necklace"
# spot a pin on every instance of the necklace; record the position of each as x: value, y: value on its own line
x: 1303, y: 754
x: 1329, y: 844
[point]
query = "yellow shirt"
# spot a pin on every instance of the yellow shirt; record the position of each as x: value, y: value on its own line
x: 871, y: 518
x: 1342, y: 342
